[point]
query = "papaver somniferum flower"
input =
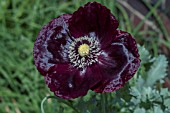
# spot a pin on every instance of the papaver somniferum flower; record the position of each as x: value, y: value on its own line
x: 85, y: 51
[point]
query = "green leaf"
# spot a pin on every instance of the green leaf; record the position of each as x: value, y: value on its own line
x: 140, y: 83
x: 164, y: 92
x: 157, y: 109
x: 136, y: 95
x: 135, y: 92
x: 140, y: 110
x: 144, y: 54
x: 167, y: 102
x: 157, y: 71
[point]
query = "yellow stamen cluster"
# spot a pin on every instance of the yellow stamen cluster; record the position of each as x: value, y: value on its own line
x: 83, y: 50
x: 83, y: 54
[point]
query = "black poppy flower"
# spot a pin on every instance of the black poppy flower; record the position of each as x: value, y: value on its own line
x: 85, y: 51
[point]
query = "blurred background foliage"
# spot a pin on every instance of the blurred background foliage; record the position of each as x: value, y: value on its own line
x: 22, y: 87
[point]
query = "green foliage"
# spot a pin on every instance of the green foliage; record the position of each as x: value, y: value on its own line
x: 144, y: 54
x: 146, y: 95
x: 157, y: 71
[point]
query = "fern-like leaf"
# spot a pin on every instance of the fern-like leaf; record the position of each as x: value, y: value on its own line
x: 157, y: 71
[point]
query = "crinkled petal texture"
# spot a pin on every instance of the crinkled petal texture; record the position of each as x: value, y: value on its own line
x: 52, y: 44
x: 116, y: 64
x: 66, y: 82
x: 93, y: 19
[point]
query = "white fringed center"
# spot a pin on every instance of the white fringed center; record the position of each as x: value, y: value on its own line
x: 84, y: 51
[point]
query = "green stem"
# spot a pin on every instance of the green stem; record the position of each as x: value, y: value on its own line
x: 54, y: 106
x: 54, y: 97
x: 103, y: 97
x: 42, y: 104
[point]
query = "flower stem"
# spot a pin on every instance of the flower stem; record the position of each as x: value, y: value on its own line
x: 103, y: 97
x: 54, y: 97
x: 42, y: 104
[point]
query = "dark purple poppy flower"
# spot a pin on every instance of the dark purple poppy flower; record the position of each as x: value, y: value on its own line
x: 81, y: 51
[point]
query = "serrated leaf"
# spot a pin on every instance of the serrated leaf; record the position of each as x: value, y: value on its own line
x: 164, y: 92
x: 167, y: 102
x: 144, y: 54
x: 135, y: 92
x: 167, y: 110
x: 136, y: 95
x: 139, y: 83
x: 135, y: 101
x: 157, y: 109
x: 151, y: 94
x: 157, y: 71
x: 139, y: 110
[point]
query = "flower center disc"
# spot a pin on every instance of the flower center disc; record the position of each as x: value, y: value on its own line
x: 83, y: 50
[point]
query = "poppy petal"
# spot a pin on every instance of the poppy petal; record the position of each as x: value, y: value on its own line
x: 67, y: 82
x: 118, y: 64
x: 93, y: 19
x: 128, y: 41
x: 51, y: 45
